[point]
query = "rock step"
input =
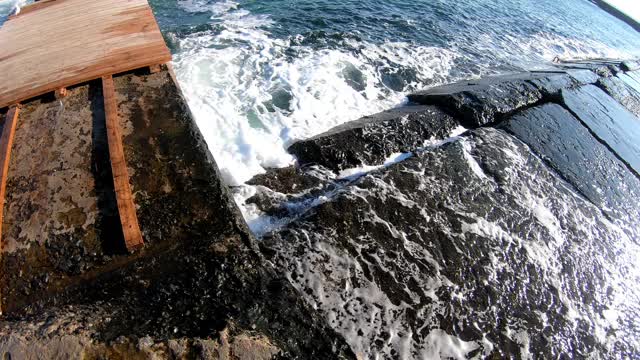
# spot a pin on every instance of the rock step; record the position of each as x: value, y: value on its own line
x: 483, y: 102
x: 434, y: 113
x: 372, y: 139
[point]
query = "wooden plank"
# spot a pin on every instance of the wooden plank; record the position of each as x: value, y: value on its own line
x: 79, y: 41
x: 126, y: 207
x: 6, y: 143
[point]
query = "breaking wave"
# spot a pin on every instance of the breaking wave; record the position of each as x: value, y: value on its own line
x: 253, y: 93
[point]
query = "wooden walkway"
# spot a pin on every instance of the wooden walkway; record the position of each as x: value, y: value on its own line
x: 54, y: 44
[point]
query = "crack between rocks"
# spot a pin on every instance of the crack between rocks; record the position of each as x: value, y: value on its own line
x: 600, y: 140
x: 543, y: 160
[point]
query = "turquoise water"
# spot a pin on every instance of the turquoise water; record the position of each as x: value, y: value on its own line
x: 477, y: 28
x: 261, y: 74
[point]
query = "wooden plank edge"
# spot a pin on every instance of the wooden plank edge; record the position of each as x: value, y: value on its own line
x: 62, y: 84
x: 172, y: 73
x: 6, y: 143
x: 126, y: 207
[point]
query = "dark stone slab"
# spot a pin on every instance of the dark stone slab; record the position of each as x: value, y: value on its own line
x: 624, y: 93
x: 475, y: 241
x: 550, y: 84
x: 603, y: 68
x: 609, y: 121
x: 630, y: 65
x: 567, y: 146
x: 289, y: 180
x: 634, y: 75
x: 583, y: 76
x: 632, y: 79
x: 281, y: 192
x: 372, y: 139
x: 481, y: 102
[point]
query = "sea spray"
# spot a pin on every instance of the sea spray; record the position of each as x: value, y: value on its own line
x: 255, y: 90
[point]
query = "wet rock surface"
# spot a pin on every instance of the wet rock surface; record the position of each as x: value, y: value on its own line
x: 609, y: 121
x: 478, y: 102
x: 517, y: 239
x: 566, y: 146
x: 550, y: 84
x: 199, y: 289
x: 372, y: 139
x: 622, y: 92
x: 477, y: 240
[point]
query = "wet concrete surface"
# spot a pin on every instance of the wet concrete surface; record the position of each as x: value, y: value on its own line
x: 199, y: 286
x: 51, y: 209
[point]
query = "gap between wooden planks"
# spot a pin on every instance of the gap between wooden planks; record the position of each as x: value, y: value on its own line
x: 77, y: 41
x: 126, y: 207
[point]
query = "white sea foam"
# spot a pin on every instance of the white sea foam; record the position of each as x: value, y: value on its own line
x: 534, y: 51
x: 251, y: 99
x: 549, y: 46
x: 453, y: 136
x: 236, y: 79
x: 356, y: 172
x: 473, y: 163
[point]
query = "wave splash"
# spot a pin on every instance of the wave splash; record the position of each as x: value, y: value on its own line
x: 253, y: 94
x: 8, y: 7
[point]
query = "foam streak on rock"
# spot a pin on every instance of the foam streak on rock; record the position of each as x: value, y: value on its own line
x: 427, y: 244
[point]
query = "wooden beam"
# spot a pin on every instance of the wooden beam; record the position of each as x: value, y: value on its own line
x: 126, y: 207
x: 6, y: 143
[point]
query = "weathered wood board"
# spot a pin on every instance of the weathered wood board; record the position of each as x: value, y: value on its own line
x: 66, y: 42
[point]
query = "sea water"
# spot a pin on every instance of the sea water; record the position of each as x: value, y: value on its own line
x: 259, y: 75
